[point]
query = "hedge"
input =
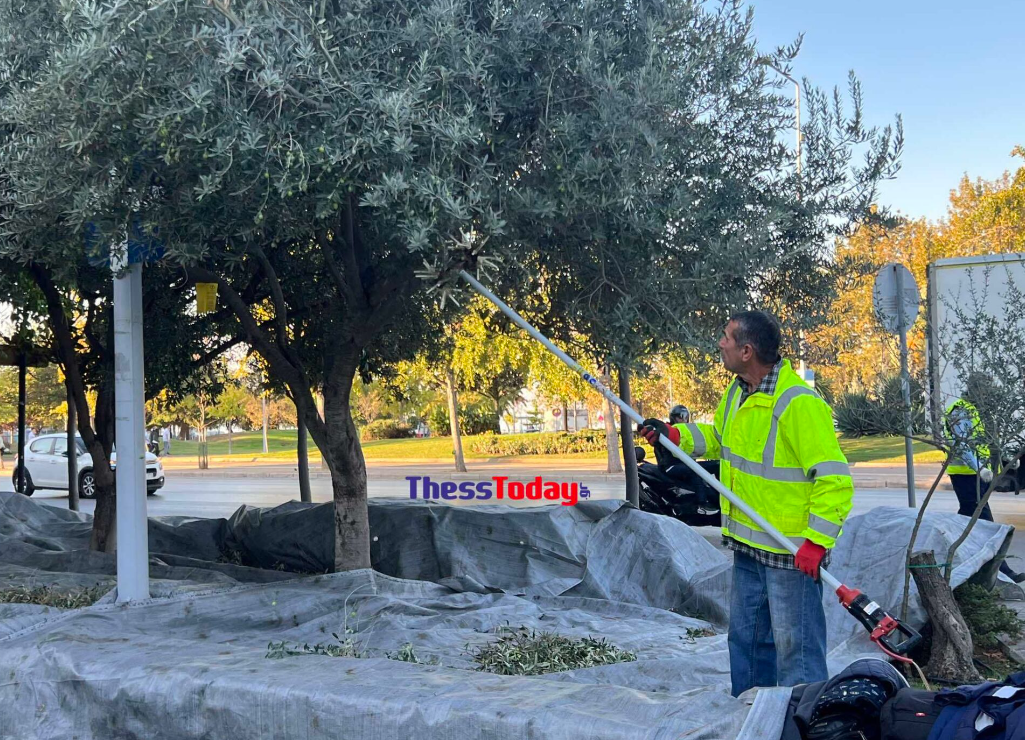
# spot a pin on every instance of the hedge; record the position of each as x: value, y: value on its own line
x: 384, y: 429
x: 541, y: 443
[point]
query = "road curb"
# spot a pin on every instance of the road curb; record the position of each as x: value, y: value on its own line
x: 557, y: 475
x: 403, y: 474
x: 1010, y: 650
x: 923, y: 485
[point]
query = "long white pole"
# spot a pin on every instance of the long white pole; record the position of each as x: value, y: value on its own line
x: 129, y: 402
x: 682, y: 456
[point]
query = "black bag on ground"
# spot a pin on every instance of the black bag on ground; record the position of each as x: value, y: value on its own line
x: 846, y: 707
x: 909, y: 715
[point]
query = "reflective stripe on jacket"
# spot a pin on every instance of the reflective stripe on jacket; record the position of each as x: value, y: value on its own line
x: 779, y: 455
x: 968, y: 447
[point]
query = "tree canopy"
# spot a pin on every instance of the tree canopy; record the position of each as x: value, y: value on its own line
x: 617, y: 165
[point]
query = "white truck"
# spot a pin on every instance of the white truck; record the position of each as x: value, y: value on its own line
x: 964, y: 295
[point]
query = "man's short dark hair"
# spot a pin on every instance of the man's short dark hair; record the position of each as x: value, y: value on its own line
x: 761, y: 330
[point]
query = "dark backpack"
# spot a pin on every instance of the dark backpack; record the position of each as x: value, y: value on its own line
x: 909, y: 715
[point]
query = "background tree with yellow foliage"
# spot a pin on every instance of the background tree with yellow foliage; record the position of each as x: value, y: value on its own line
x: 984, y: 217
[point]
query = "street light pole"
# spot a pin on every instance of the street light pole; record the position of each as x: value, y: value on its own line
x: 797, y: 124
x: 797, y: 116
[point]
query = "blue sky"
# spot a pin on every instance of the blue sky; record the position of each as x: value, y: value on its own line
x: 954, y: 70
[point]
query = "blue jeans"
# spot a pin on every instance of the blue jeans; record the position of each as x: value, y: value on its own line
x: 777, y: 627
x: 968, y: 489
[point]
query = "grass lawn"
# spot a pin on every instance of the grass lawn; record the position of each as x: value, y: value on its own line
x: 281, y: 445
x: 248, y: 446
x: 886, y: 450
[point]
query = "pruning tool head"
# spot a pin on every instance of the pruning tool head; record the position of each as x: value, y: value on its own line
x: 894, y: 637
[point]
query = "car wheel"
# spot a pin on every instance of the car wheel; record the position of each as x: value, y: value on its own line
x: 87, y: 484
x: 29, y: 487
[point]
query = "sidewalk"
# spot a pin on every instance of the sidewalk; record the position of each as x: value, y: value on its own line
x: 876, y: 475
x: 518, y: 468
x: 866, y: 475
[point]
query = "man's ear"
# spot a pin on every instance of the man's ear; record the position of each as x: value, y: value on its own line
x: 747, y: 352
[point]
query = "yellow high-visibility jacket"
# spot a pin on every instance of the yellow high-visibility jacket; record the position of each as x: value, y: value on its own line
x: 779, y: 454
x: 970, y: 447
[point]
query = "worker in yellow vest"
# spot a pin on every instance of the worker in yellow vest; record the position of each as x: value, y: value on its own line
x: 969, y: 471
x: 775, y: 439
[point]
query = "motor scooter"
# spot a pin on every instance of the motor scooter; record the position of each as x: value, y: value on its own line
x: 678, y: 492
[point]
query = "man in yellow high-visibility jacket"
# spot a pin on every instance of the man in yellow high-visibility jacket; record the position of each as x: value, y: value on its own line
x: 778, y: 450
x: 969, y: 470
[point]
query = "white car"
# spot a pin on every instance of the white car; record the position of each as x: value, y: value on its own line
x: 46, y: 466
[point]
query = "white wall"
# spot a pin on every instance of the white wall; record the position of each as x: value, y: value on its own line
x: 977, y: 286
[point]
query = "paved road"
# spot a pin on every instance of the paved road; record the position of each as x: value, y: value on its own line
x: 209, y: 496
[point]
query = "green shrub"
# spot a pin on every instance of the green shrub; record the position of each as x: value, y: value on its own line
x: 882, y: 412
x: 855, y: 415
x: 890, y: 406
x: 827, y: 389
x: 985, y: 616
x: 474, y: 418
x: 541, y: 443
x: 384, y: 429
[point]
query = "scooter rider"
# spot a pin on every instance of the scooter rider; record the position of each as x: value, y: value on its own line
x: 778, y: 450
x: 679, y: 414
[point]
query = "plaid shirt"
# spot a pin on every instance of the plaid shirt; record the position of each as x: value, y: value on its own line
x: 768, y: 559
x: 767, y: 386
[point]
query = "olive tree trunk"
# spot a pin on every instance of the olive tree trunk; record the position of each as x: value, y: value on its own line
x: 100, y: 443
x: 633, y: 486
x: 72, y: 454
x: 97, y: 430
x: 952, y: 649
x: 453, y: 416
x: 344, y: 458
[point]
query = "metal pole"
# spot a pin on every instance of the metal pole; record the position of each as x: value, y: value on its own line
x: 905, y: 389
x: 129, y: 404
x: 786, y: 544
x: 797, y: 92
x: 803, y: 365
x: 303, y: 452
x: 263, y: 404
x: 22, y: 372
x: 633, y: 486
x: 72, y: 456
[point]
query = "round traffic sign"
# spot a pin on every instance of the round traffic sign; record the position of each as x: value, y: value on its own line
x: 896, y: 298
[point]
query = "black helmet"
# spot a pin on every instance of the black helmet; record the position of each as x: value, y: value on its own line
x: 679, y: 414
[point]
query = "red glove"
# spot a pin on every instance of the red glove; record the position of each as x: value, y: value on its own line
x: 651, y: 428
x: 808, y: 557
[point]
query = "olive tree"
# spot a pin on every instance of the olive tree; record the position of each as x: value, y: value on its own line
x: 325, y: 163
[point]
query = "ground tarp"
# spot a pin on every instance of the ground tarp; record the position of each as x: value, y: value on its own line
x: 193, y: 663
